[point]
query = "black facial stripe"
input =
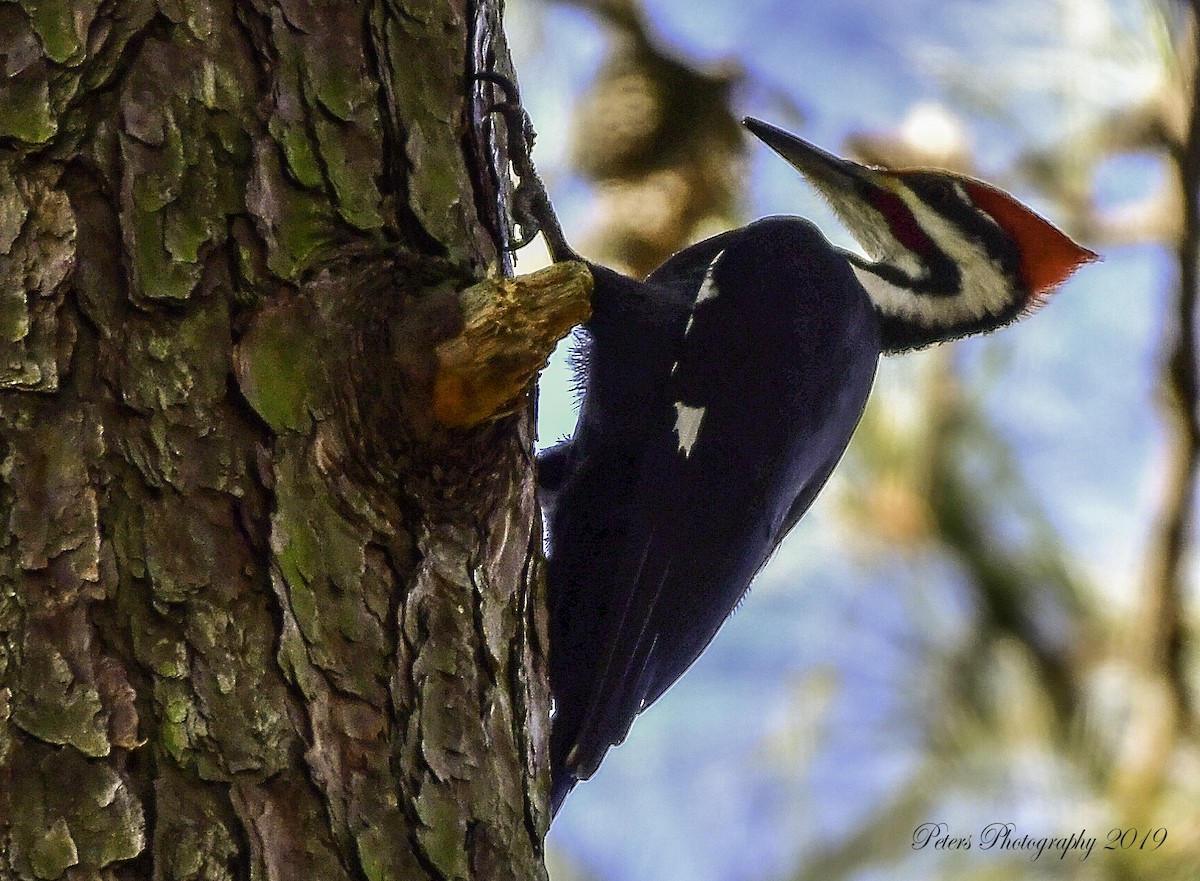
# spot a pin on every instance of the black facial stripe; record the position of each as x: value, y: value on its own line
x: 946, y: 199
x: 942, y: 279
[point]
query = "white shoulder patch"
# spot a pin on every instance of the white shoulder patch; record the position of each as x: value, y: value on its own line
x: 687, y: 425
x: 708, y: 287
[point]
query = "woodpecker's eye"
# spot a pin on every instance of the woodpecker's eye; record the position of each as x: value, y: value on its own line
x: 936, y: 191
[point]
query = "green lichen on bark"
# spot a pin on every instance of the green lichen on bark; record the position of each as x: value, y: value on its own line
x: 26, y: 115
x: 431, y: 106
x: 37, y: 235
x: 57, y: 707
x: 62, y: 27
x: 326, y: 118
x: 92, y: 823
x: 327, y: 585
x: 188, y: 167
x: 297, y: 228
x: 53, y: 70
x: 191, y: 841
x: 280, y: 371
x: 264, y: 617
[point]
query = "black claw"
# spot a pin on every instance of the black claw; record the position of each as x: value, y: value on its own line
x: 520, y: 242
x: 504, y: 83
x: 531, y: 209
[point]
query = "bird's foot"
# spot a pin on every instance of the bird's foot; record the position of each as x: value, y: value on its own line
x: 531, y: 208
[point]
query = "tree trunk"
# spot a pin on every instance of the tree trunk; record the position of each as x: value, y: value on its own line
x: 261, y: 616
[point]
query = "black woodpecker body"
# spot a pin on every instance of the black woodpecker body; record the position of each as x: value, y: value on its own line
x: 719, y: 394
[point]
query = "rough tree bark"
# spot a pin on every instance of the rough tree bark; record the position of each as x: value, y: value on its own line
x: 261, y: 614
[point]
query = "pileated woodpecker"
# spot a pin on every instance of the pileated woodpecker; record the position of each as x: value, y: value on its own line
x: 720, y: 393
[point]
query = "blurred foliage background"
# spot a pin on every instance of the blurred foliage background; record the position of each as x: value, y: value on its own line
x: 990, y: 614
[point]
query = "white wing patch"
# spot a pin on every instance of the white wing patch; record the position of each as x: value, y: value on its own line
x: 687, y: 419
x: 708, y: 287
x: 687, y: 425
x: 708, y: 290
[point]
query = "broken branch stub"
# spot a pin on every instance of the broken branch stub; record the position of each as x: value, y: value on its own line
x: 510, y: 327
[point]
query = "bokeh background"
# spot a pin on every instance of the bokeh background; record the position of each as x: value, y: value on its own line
x: 989, y: 615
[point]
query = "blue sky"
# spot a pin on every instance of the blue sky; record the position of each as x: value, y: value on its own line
x: 818, y: 672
